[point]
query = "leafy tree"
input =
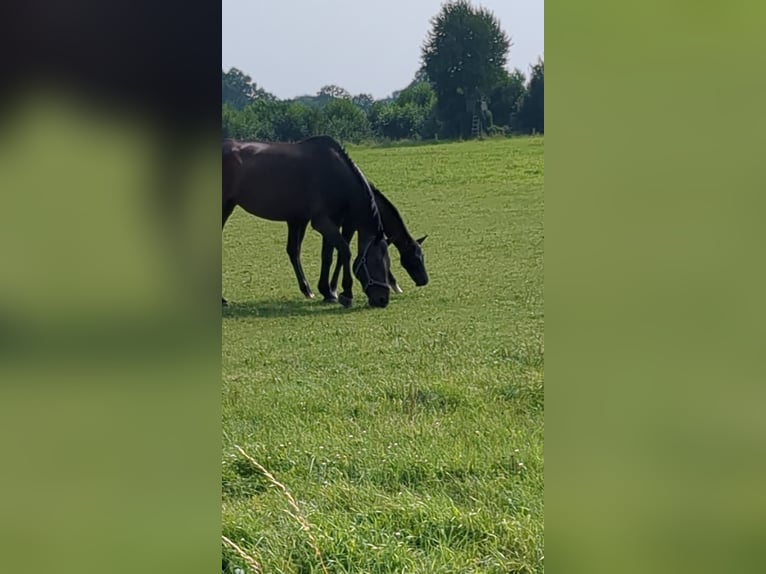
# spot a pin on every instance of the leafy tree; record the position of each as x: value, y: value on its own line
x: 261, y: 94
x: 296, y: 121
x: 410, y: 115
x: 421, y: 94
x: 505, y: 98
x: 532, y: 109
x: 344, y: 121
x: 420, y: 77
x: 333, y: 91
x: 378, y: 115
x: 364, y: 101
x: 314, y: 101
x: 464, y: 57
x: 236, y: 88
x: 394, y: 121
x: 229, y: 121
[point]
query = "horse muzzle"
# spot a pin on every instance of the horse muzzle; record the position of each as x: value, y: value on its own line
x: 378, y: 296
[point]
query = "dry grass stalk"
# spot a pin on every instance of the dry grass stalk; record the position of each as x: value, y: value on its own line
x: 298, y: 515
x: 249, y: 560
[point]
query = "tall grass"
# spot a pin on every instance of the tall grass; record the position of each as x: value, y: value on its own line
x: 409, y: 438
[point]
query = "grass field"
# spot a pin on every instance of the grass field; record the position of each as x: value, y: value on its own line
x: 411, y: 437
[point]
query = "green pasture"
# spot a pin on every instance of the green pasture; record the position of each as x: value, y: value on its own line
x: 411, y: 437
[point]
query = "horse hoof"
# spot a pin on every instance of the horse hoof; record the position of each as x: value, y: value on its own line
x: 345, y: 301
x: 309, y: 295
x: 330, y: 300
x: 397, y: 289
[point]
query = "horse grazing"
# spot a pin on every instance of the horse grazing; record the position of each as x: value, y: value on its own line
x: 410, y: 251
x: 313, y: 181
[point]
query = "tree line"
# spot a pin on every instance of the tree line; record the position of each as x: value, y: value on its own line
x: 461, y: 90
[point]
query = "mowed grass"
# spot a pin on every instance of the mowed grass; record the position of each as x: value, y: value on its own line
x: 411, y: 437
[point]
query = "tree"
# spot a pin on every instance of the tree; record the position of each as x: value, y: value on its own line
x: 256, y: 120
x: 464, y: 57
x: 344, y: 121
x: 228, y: 121
x: 532, y: 109
x: 333, y: 91
x: 236, y: 88
x: 261, y: 94
x: 296, y: 121
x: 410, y: 115
x: 506, y: 97
x: 364, y: 101
x: 421, y: 94
x: 420, y: 77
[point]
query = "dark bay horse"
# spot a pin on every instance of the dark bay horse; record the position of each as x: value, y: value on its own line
x: 410, y: 251
x: 313, y: 181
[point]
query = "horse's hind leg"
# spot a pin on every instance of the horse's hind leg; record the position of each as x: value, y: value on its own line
x: 296, y: 231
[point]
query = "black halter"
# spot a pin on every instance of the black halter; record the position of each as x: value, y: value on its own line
x: 361, y: 264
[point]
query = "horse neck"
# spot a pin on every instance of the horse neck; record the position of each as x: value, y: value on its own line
x: 362, y: 215
x: 392, y: 222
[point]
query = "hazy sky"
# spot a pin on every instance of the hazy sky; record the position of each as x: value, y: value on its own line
x: 294, y: 47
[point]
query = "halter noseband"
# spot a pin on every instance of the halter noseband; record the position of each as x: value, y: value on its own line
x: 362, y: 264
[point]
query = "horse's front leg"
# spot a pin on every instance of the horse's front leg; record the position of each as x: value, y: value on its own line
x: 393, y: 284
x: 331, y: 239
x: 347, y: 295
x: 324, y: 274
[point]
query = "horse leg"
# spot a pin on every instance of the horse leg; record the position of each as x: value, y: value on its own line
x: 347, y: 233
x: 347, y: 296
x: 296, y: 231
x: 331, y: 239
x: 324, y: 275
x: 334, y: 278
x: 226, y: 209
x: 394, y: 285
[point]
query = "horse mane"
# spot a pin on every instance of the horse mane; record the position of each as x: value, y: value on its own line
x: 367, y: 186
x: 359, y: 175
x: 380, y: 198
x: 391, y: 208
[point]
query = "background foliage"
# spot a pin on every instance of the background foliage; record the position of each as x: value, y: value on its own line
x: 463, y: 60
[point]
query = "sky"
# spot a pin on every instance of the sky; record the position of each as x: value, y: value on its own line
x: 294, y: 47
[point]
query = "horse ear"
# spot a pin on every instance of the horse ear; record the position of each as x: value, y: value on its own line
x: 422, y: 239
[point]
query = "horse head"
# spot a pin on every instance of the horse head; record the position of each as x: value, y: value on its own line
x: 371, y: 267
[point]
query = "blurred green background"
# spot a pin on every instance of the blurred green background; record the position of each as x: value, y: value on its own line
x: 654, y: 184
x: 109, y: 346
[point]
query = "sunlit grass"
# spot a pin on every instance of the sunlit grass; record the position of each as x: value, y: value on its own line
x: 411, y: 437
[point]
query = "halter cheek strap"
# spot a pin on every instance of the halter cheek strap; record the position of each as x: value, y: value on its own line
x: 362, y: 265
